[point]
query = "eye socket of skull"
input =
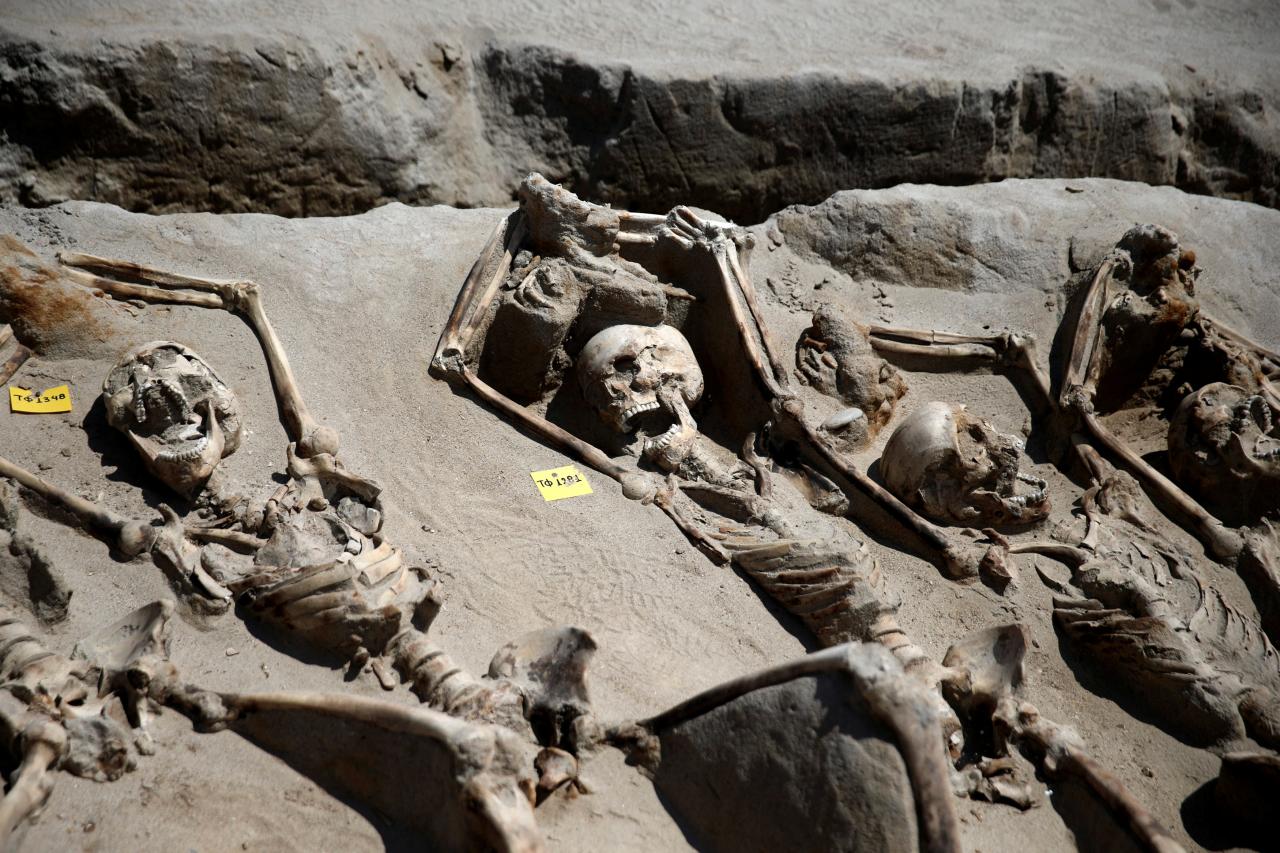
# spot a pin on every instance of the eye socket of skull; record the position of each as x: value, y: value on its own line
x: 165, y: 398
x: 622, y: 368
x: 956, y: 468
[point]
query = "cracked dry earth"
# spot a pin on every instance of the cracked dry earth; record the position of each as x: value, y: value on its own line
x: 359, y: 302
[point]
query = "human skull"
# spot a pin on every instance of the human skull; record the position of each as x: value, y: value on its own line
x: 954, y: 467
x: 176, y: 411
x: 1223, y: 444
x: 642, y: 379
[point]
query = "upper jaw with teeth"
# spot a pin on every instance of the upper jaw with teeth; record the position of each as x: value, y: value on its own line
x: 637, y: 409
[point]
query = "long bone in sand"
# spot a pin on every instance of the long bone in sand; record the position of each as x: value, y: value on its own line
x: 354, y: 596
x: 879, y: 758
x: 1137, y: 312
x: 85, y: 714
x: 642, y: 380
x: 597, y: 244
x: 458, y: 785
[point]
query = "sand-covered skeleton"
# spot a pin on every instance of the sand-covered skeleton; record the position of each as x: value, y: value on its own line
x: 717, y: 755
x: 1137, y: 336
x: 310, y: 559
x: 1140, y: 331
x: 1146, y: 613
x: 88, y: 715
x: 560, y: 271
x: 85, y: 714
x: 641, y: 382
x: 600, y: 330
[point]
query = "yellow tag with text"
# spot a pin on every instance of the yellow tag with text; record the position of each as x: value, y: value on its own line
x: 563, y: 482
x: 51, y: 400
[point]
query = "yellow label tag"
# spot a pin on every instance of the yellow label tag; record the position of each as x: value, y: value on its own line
x: 563, y: 482
x: 51, y: 400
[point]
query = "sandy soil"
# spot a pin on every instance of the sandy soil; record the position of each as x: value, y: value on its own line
x: 359, y: 303
x: 981, y: 39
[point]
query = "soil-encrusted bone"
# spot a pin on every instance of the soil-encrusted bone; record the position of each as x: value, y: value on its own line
x: 957, y: 468
x: 179, y: 415
x: 848, y: 754
x: 835, y: 356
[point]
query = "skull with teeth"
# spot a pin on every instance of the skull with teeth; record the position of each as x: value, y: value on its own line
x: 176, y: 411
x: 643, y: 379
x: 1223, y: 443
x: 954, y: 467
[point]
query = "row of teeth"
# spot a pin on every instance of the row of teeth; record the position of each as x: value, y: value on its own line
x: 664, y: 440
x: 1023, y: 501
x: 189, y: 455
x: 639, y: 408
x: 1035, y: 497
x: 1245, y: 408
x: 161, y: 393
x: 1267, y: 455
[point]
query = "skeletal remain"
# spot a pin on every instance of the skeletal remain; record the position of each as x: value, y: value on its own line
x: 1144, y: 612
x: 463, y: 786
x: 1204, y: 668
x: 59, y: 713
x: 835, y: 356
x: 594, y: 241
x: 642, y: 381
x: 954, y: 467
x: 707, y: 754
x: 240, y: 297
x: 879, y: 759
x: 1137, y: 309
x: 631, y: 371
x: 318, y: 567
x: 535, y: 684
x: 129, y: 536
x: 179, y: 415
x: 1223, y: 444
x: 984, y: 676
x: 1140, y: 303
x: 646, y: 378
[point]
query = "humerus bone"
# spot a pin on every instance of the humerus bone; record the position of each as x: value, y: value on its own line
x: 462, y: 785
x: 718, y: 755
x: 241, y: 297
x: 130, y: 536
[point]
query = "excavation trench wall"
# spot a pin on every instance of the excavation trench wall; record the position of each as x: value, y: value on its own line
x: 336, y: 125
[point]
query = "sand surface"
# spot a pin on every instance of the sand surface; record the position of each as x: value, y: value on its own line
x: 978, y: 38
x: 359, y: 303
